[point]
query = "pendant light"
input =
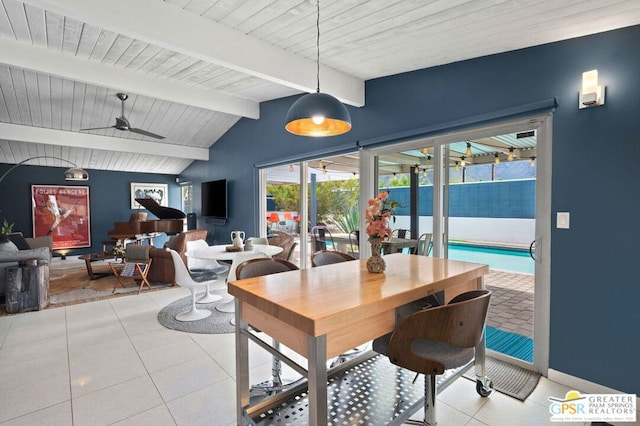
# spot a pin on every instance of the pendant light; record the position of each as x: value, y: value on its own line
x: 318, y: 114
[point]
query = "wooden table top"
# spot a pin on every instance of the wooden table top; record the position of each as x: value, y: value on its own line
x: 323, y: 299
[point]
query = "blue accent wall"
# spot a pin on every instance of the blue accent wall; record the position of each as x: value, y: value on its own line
x: 595, y: 290
x: 109, y: 197
x: 499, y: 199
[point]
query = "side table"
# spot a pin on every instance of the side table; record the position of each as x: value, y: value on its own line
x: 88, y: 258
x: 27, y: 288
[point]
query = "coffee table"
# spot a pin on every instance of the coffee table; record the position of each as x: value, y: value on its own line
x: 94, y: 257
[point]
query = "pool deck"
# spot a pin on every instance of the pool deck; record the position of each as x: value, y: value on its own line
x: 511, y: 307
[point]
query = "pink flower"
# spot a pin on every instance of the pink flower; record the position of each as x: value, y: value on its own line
x: 377, y: 215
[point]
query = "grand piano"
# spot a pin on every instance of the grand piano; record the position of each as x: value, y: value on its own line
x: 170, y: 221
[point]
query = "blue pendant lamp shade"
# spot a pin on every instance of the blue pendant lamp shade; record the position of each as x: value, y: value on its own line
x: 316, y: 115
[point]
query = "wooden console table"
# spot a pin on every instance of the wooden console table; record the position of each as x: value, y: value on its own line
x: 324, y: 311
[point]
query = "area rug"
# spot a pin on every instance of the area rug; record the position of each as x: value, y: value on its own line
x: 511, y: 344
x: 216, y: 323
x: 508, y: 379
x: 73, y: 286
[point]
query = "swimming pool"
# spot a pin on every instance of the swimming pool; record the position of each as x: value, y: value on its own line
x: 497, y: 258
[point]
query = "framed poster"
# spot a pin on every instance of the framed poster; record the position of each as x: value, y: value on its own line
x: 63, y: 213
x: 157, y: 191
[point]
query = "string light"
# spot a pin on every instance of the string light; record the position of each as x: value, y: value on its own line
x: 324, y: 170
x: 463, y: 162
x: 291, y: 168
x: 320, y: 164
x: 425, y: 150
x: 457, y: 166
x: 532, y: 161
x: 424, y: 173
x: 468, y: 152
x: 497, y: 160
x: 510, y: 156
x: 416, y: 169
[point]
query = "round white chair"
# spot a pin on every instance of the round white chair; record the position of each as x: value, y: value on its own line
x: 184, y: 279
x: 199, y: 267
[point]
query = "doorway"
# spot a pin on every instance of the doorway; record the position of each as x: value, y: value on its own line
x: 483, y: 195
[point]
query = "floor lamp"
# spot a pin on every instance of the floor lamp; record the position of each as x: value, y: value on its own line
x: 74, y: 173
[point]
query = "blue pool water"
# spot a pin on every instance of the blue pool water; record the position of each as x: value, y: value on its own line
x: 496, y: 258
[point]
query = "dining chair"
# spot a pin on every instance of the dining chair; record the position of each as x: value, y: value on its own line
x: 204, y: 267
x: 256, y: 268
x: 184, y: 279
x: 328, y: 257
x: 433, y: 340
x: 228, y: 305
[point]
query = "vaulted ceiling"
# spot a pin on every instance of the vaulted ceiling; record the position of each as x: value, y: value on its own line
x: 193, y: 68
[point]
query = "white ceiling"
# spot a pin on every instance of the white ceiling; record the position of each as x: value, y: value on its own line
x: 192, y: 68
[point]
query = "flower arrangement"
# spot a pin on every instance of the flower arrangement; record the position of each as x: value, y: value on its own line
x: 377, y: 215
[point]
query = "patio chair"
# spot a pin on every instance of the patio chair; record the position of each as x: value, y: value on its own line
x: 328, y: 257
x: 354, y: 244
x: 424, y: 244
x: 320, y: 236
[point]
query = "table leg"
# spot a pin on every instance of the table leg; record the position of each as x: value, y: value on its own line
x: 317, y: 380
x: 89, y: 269
x: 242, y: 365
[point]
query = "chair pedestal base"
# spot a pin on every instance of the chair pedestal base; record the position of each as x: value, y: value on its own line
x: 209, y: 298
x: 227, y: 307
x: 193, y: 315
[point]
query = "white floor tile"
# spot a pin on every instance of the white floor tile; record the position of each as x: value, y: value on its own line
x: 35, y: 350
x: 34, y: 396
x: 19, y: 372
x: 103, y: 333
x: 158, y: 416
x: 92, y: 376
x: 116, y: 403
x: 56, y: 415
x: 152, y: 339
x: 172, y: 354
x: 190, y: 376
x: 213, y: 405
x: 462, y: 395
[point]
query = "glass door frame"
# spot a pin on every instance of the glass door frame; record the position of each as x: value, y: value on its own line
x: 543, y: 124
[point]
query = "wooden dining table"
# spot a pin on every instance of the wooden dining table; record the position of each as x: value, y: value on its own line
x: 324, y: 311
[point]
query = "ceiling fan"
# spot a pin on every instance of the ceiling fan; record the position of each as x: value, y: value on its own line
x: 123, y: 124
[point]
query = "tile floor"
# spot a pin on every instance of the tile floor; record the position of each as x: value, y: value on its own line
x: 111, y: 363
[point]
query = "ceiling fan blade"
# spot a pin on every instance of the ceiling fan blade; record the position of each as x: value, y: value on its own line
x: 100, y: 128
x: 145, y: 133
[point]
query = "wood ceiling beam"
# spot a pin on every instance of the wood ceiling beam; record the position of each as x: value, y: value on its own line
x: 47, y: 61
x: 168, y: 26
x: 40, y: 135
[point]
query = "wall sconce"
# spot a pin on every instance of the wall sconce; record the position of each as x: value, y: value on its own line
x: 590, y: 94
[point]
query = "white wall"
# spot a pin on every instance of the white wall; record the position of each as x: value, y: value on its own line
x: 496, y: 230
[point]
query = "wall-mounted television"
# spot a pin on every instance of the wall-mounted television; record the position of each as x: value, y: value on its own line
x: 214, y: 199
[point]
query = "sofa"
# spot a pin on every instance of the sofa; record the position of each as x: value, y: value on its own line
x: 161, y: 269
x: 15, y: 248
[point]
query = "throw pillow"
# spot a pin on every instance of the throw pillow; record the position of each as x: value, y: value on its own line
x: 8, y: 247
x: 17, y: 239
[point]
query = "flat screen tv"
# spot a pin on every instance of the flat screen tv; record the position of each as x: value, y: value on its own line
x: 214, y: 199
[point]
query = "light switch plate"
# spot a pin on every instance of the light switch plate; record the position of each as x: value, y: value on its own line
x: 562, y: 220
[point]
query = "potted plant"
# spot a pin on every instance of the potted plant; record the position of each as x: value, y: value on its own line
x: 5, y: 229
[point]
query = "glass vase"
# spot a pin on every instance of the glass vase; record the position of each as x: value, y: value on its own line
x: 375, y: 263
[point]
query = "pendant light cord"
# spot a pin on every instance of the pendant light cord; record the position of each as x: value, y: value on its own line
x: 318, y: 46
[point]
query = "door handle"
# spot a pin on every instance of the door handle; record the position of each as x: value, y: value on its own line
x: 533, y: 243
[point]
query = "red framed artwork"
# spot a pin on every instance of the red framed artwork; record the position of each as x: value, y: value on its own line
x: 63, y: 213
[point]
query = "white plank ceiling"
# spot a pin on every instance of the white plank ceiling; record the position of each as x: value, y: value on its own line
x: 192, y: 68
